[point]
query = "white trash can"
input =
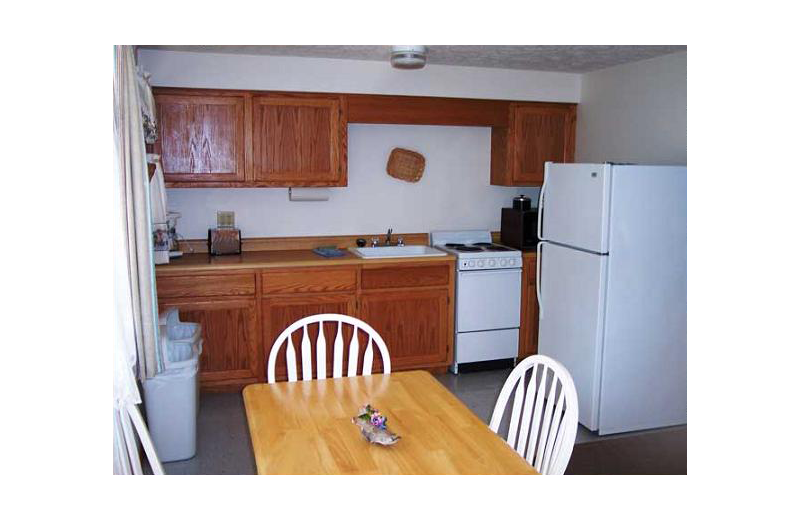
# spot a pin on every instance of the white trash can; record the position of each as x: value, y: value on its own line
x: 171, y: 397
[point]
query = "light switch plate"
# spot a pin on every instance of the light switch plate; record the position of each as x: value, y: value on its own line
x: 226, y: 219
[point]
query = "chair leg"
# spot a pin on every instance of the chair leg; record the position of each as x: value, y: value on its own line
x: 144, y: 435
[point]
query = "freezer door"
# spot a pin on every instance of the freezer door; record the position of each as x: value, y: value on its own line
x: 571, y: 312
x: 487, y: 300
x: 574, y: 205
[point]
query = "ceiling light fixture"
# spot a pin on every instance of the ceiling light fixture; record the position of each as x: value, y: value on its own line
x: 408, y: 56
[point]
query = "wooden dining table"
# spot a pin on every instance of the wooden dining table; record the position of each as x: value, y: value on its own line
x: 305, y: 427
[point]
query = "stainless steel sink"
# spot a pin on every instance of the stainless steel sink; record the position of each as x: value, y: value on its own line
x: 396, y: 252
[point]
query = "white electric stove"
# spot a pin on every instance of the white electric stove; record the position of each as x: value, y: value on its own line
x: 488, y: 293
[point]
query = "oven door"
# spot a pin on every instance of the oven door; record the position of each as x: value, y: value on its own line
x: 488, y: 300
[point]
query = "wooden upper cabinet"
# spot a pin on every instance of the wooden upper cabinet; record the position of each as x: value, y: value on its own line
x: 246, y: 138
x: 201, y: 138
x: 536, y: 133
x: 299, y: 141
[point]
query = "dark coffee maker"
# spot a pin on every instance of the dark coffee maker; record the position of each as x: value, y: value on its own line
x: 518, y: 225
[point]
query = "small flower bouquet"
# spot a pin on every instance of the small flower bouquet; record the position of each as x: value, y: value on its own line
x: 373, y: 426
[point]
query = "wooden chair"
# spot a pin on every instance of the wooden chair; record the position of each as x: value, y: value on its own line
x: 321, y: 349
x: 544, y: 414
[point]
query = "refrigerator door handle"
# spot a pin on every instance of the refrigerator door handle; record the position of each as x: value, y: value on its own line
x: 539, y: 248
x: 541, y: 200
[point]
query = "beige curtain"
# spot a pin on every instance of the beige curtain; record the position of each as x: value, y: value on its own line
x: 134, y: 296
x: 134, y: 189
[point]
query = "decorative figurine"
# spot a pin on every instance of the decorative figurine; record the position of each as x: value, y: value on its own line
x: 373, y: 426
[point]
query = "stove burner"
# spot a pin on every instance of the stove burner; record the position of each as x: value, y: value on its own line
x: 498, y: 248
x: 481, y: 244
x: 467, y: 248
x: 451, y: 244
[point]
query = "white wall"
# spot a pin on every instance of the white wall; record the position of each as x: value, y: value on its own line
x: 198, y: 70
x: 454, y: 192
x: 634, y: 112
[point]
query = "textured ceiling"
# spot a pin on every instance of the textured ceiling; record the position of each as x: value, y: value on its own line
x: 559, y: 58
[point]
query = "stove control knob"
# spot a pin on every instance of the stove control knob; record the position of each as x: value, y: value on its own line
x: 504, y: 262
x: 491, y: 262
x: 512, y: 262
x: 472, y: 263
x: 480, y: 263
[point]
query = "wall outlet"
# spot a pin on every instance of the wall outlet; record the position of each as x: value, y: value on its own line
x: 226, y: 219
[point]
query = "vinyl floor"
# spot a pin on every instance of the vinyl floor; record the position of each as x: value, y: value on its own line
x: 223, y: 439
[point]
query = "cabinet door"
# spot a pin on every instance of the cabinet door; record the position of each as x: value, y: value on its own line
x: 281, y: 311
x: 540, y: 134
x: 413, y: 323
x: 230, y: 338
x: 201, y: 138
x: 297, y: 141
x: 529, y: 320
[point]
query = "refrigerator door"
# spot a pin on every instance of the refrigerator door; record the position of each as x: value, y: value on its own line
x: 574, y: 205
x: 644, y: 357
x: 571, y: 317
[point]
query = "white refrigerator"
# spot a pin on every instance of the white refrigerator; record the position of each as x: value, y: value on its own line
x: 611, y: 284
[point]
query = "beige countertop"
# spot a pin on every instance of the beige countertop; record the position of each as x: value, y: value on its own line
x: 276, y: 259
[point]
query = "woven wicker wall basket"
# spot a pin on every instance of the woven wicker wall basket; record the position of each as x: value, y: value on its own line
x: 405, y: 165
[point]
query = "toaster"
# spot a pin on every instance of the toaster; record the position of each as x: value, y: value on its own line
x: 224, y: 241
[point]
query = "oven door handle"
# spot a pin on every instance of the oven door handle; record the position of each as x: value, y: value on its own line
x: 539, y: 249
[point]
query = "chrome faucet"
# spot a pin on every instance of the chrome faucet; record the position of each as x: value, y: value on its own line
x: 389, y: 237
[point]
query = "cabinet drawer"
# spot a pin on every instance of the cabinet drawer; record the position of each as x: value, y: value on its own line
x: 303, y: 281
x: 207, y: 285
x: 416, y: 276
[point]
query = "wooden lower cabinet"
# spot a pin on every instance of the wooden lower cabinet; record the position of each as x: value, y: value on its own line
x: 230, y: 338
x: 529, y: 319
x: 281, y: 311
x: 415, y: 324
x: 243, y: 312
